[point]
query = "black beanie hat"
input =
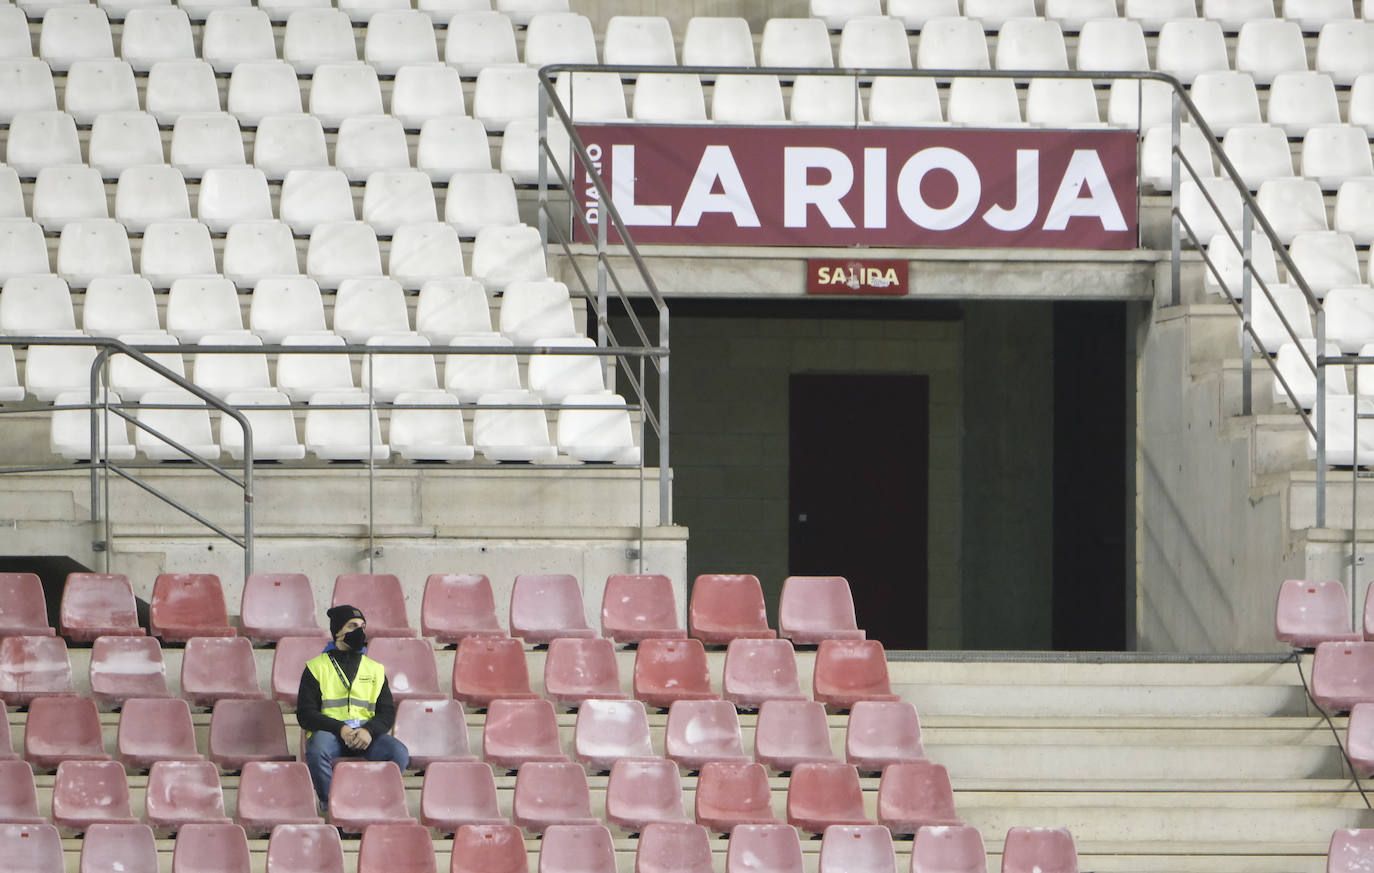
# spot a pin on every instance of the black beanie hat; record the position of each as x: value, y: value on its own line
x: 340, y: 616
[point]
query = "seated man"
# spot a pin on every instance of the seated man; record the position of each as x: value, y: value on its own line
x: 345, y: 703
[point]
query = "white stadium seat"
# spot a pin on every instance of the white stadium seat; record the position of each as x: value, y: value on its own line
x: 70, y: 431
x: 285, y: 306
x: 452, y: 145
x: 1312, y: 15
x: 224, y: 373
x: 231, y: 195
x: 560, y: 38
x: 314, y: 196
x: 120, y: 140
x: 344, y: 434
x: 555, y: 376
x: 424, y: 252
x: 197, y: 306
x: 89, y: 249
x: 1188, y: 47
x: 874, y: 42
x: 1326, y: 260
x: 177, y: 88
x: 795, y: 42
x: 261, y: 88
x: 1332, y: 153
x: 23, y: 250
x: 512, y: 428
x: 116, y: 305
x: 502, y: 255
x: 1156, y: 154
x: 1225, y: 100
x: 638, y: 39
x: 504, y: 93
x: 915, y: 13
x: 1154, y: 14
x: 523, y: 11
x: 1112, y: 44
x: 289, y: 142
x: 342, y: 91
x: 717, y: 42
x: 273, y: 423
x: 477, y: 40
x: 421, y: 92
x: 156, y: 33
x: 1259, y: 152
x: 1233, y: 15
x: 1354, y: 212
x: 984, y: 103
x: 1299, y: 101
x: 318, y: 36
x: 1062, y: 103
x: 74, y: 33
x: 189, y: 426
x: 36, y: 305
x: 470, y: 376
x: 306, y: 374
x: 342, y: 250
x: 256, y: 250
x: 25, y: 86
x: 668, y: 98
x: 1031, y: 44
x: 435, y: 433
x: 387, y: 375
x: 392, y: 198
x: 1266, y: 48
x: 63, y: 194
x: 535, y: 310
x: 826, y: 100
x: 131, y: 380
x: 368, y: 144
x: 96, y: 86
x: 40, y: 139
x: 592, y: 96
x: 749, y: 99
x: 446, y: 308
x: 1293, y: 206
x: 367, y: 307
x: 597, y: 435
x: 236, y: 36
x: 206, y: 140
x: 837, y: 13
x: 176, y: 250
x: 399, y: 37
x: 1345, y: 50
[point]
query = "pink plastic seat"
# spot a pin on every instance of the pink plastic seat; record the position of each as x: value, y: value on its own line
x: 1367, y: 621
x: 288, y: 662
x: 62, y: 729
x: 674, y: 847
x: 432, y: 730
x: 1359, y: 738
x: 31, y: 848
x: 211, y: 848
x: 107, y: 848
x: 882, y: 733
x: 610, y: 729
x: 821, y: 795
x: 26, y: 610
x: 305, y: 848
x: 365, y: 793
x: 759, y: 670
x: 725, y: 607
x: 635, y: 607
x: 187, y: 605
x: 458, y: 793
x: 1348, y: 851
x: 670, y: 670
x: 643, y: 790
x: 792, y: 732
x: 1308, y: 613
x: 915, y: 794
x: 90, y: 792
x: 1039, y: 850
x: 857, y: 849
x: 6, y: 743
x: 396, y: 848
x: 815, y: 608
x: 703, y: 730
x: 277, y: 605
x: 1343, y: 675
x: 243, y: 730
x: 520, y: 731
x: 489, y: 849
x: 214, y: 668
x: 732, y: 793
x: 577, y: 848
x: 551, y: 793
x: 948, y: 849
x: 126, y: 667
x: 33, y: 667
x: 381, y: 599
x: 764, y: 848
x: 547, y: 606
x: 458, y: 605
x: 581, y: 669
x: 156, y: 729
x: 276, y: 793
x: 485, y: 669
x: 18, y: 796
x: 847, y: 671
x: 182, y: 793
x: 410, y: 668
x: 97, y: 605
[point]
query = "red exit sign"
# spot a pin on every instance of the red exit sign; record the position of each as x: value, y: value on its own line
x: 853, y: 276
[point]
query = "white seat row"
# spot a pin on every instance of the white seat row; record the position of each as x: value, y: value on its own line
x: 1331, y: 155
x: 359, y: 11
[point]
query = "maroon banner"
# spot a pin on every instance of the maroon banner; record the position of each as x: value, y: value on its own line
x: 856, y: 276
x: 787, y: 185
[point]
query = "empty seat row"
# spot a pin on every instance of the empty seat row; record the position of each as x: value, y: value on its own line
x: 520, y: 11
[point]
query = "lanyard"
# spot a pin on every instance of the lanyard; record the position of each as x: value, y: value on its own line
x: 348, y: 683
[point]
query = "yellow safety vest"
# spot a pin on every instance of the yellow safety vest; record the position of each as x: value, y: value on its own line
x: 343, y: 700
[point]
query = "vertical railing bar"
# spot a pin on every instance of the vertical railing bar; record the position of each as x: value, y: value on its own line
x: 1175, y: 252
x: 642, y: 484
x: 1247, y: 307
x: 371, y: 470
x: 1320, y: 411
x: 105, y: 455
x: 1354, y: 495
x: 543, y: 122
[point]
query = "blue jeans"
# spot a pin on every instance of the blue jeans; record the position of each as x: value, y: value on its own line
x: 322, y: 748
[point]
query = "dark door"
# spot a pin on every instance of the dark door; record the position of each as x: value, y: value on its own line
x: 858, y: 501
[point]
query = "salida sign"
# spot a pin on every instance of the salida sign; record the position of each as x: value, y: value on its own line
x: 799, y: 186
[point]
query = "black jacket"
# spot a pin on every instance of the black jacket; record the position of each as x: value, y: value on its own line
x: 308, y: 713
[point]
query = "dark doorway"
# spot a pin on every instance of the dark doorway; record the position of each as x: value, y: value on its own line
x: 858, y: 502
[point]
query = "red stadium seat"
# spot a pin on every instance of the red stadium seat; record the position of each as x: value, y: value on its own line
x: 1343, y: 675
x: 1039, y: 850
x: 459, y: 793
x: 1308, y: 613
x: 275, y: 793
x: 820, y: 795
x: 548, y: 793
x: 576, y: 848
x: 882, y: 733
x: 156, y: 729
x: 581, y: 669
x: 1359, y: 738
x: 915, y: 794
x: 366, y: 793
x: 857, y: 849
x: 703, y: 730
x: 681, y: 847
x: 643, y: 790
x: 948, y: 849
x: 215, y: 668
x: 33, y: 667
x: 670, y: 670
x: 792, y: 732
x: 489, y: 849
x: 727, y: 607
x: 187, y: 605
x: 731, y: 793
x: 544, y: 607
x: 815, y: 608
x: 277, y: 605
x: 288, y: 663
x: 486, y: 669
x: 1349, y: 850
x: 97, y: 605
x: 848, y: 671
x: 381, y: 599
x: 519, y: 731
x: 90, y: 792
x: 457, y: 606
x: 31, y: 848
x: 211, y: 848
x: 432, y: 730
x: 410, y: 668
x: 18, y: 797
x: 243, y: 730
x: 610, y: 729
x: 114, y: 847
x: 305, y: 848
x: 6, y: 743
x: 759, y: 670
x: 127, y: 667
x: 635, y: 608
x: 26, y: 610
x: 396, y: 848
x: 764, y: 848
x: 62, y: 729
x: 182, y: 793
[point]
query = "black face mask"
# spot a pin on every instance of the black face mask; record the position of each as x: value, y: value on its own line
x: 356, y: 638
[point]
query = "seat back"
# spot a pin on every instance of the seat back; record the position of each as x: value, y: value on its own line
x: 366, y: 793
x: 731, y: 793
x: 410, y: 668
x: 573, y: 848
x: 948, y: 849
x: 1343, y: 675
x: 288, y: 661
x: 670, y: 670
x: 125, y: 667
x: 87, y: 792
x: 489, y: 849
x: 880, y: 733
x: 18, y: 796
x: 546, y: 606
x: 156, y: 729
x: 847, y: 671
x: 381, y: 599
x: 277, y: 605
x: 643, y: 790
x: 866, y: 848
x: 109, y: 847
x: 579, y: 669
x: 219, y: 847
x: 32, y: 848
x: 186, y: 605
x: 276, y: 793
x: 396, y: 848
x: 432, y: 730
x: 62, y: 728
x: 245, y: 729
x: 771, y: 847
x: 674, y: 847
x: 26, y: 613
x: 815, y: 608
x: 182, y: 792
x: 550, y: 793
x: 790, y: 732
x: 218, y: 667
x: 485, y: 669
x: 459, y: 793
x: 1039, y: 850
x: 458, y: 605
x: 703, y: 730
x: 822, y: 794
x: 724, y: 607
x: 1308, y: 613
x: 519, y: 731
x: 33, y: 666
x: 915, y: 794
x: 305, y: 848
x: 607, y: 730
x: 759, y: 670
x: 639, y: 607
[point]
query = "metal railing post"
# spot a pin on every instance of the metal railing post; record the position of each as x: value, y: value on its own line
x: 371, y: 469
x: 543, y: 122
x: 1354, y: 496
x: 1175, y: 252
x: 1319, y: 412
x: 1246, y: 302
